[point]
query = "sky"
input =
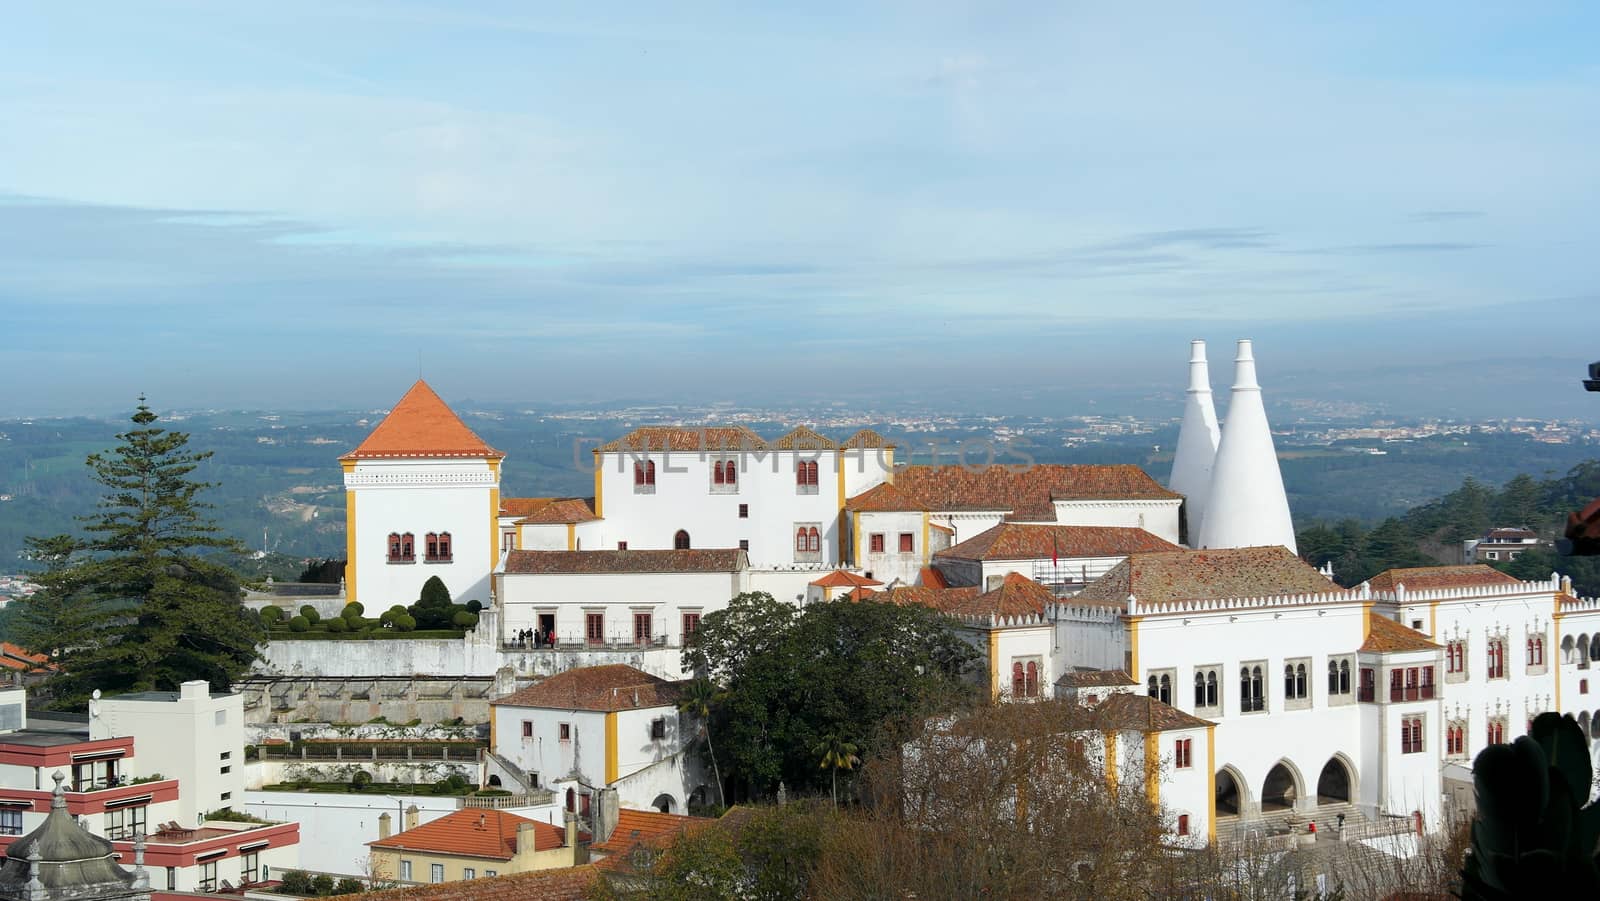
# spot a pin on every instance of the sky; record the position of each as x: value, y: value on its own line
x: 304, y: 204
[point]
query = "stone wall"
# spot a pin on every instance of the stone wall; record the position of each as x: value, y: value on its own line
x: 357, y: 699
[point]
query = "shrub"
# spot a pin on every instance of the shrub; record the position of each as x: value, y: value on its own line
x: 386, y: 618
x: 405, y: 622
x: 348, y: 886
x: 323, y: 884
x: 319, y: 627
x: 310, y: 613
x: 352, y: 610
x: 360, y: 780
x: 434, y: 593
x: 299, y: 624
x: 474, y: 606
x: 295, y: 882
x: 271, y: 615
x: 337, y: 625
x: 465, y: 620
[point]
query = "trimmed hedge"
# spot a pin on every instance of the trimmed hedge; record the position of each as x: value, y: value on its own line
x: 372, y: 635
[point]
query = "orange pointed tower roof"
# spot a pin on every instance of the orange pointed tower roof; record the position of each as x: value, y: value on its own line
x: 421, y: 425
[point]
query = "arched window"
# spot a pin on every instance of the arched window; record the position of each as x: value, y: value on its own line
x: 716, y: 473
x: 572, y: 800
x: 1211, y: 688
x: 394, y: 547
x: 1166, y: 689
x: 730, y: 475
x: 649, y: 472
x: 814, y: 540
x: 408, y: 543
x: 801, y: 543
x: 805, y: 477
x: 638, y: 479
x: 1344, y: 677
x: 430, y: 545
x: 1300, y: 686
x: 1153, y: 687
x: 680, y: 541
x: 1031, y: 686
x: 444, y: 546
x: 1200, y: 689
x: 1019, y: 681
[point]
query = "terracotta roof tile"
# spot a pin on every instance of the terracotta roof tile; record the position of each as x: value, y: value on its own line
x: 1127, y: 710
x: 866, y: 438
x: 522, y: 506
x: 840, y: 578
x: 673, y: 438
x: 1025, y: 495
x: 1384, y: 634
x: 611, y: 687
x: 930, y: 577
x: 1425, y: 577
x: 1099, y: 678
x: 883, y: 498
x: 701, y: 560
x: 1207, y: 575
x: 473, y: 832
x: 647, y: 827
x: 563, y: 510
x: 566, y: 884
x: 421, y: 425
x: 1017, y: 595
x: 941, y: 599
x: 1017, y: 541
x: 802, y: 438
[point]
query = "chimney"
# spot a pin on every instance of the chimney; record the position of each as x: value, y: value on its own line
x: 1246, y: 505
x: 526, y: 839
x: 384, y: 828
x: 571, y: 823
x: 1197, y: 443
x: 198, y: 689
x: 411, y: 817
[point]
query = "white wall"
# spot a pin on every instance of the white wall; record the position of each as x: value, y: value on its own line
x: 334, y: 829
x: 1159, y: 518
x: 195, y: 738
x: 570, y: 596
x: 422, y: 496
x: 892, y: 564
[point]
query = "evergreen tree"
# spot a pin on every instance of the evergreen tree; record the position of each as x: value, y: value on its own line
x: 433, y: 609
x: 134, y: 604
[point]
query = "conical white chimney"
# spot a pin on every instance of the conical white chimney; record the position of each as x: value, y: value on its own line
x: 1246, y: 505
x: 1197, y: 442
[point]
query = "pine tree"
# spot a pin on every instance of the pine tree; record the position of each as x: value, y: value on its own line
x: 138, y: 604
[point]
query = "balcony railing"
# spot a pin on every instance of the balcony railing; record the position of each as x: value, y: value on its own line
x: 1411, y: 693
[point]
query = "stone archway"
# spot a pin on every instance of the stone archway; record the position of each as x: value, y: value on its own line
x: 1336, y: 784
x: 1232, y: 794
x: 665, y: 803
x: 1281, y: 790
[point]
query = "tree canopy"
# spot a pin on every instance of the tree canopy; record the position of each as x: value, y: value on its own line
x: 857, y: 673
x: 137, y: 600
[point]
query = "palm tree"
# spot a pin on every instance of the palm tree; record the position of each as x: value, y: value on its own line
x: 837, y: 754
x: 698, y: 699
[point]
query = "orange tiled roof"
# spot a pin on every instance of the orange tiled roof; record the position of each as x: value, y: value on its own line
x: 564, y: 884
x: 930, y: 577
x: 522, y: 506
x: 1016, y: 541
x: 802, y: 438
x: 674, y: 438
x: 1128, y: 710
x: 1424, y: 577
x: 14, y: 657
x: 647, y: 827
x: 1247, y: 572
x: 866, y: 438
x: 1098, y: 678
x: 611, y: 687
x: 1384, y: 634
x: 1017, y: 595
x: 473, y: 832
x: 1026, y: 495
x: 843, y: 579
x: 563, y: 510
x: 883, y: 498
x: 421, y: 425
x: 941, y: 599
x: 697, y: 560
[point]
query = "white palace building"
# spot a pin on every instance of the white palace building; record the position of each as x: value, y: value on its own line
x: 1257, y: 690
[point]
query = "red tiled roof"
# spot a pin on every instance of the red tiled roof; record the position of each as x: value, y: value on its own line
x: 930, y: 577
x: 635, y: 827
x: 421, y: 425
x: 883, y: 498
x: 802, y: 438
x: 866, y: 438
x: 563, y: 510
x: 1516, y: 535
x: 14, y: 657
x: 473, y: 832
x: 1247, y: 572
x: 700, y: 560
x: 1017, y: 541
x: 1128, y: 710
x: 1017, y: 595
x: 941, y: 599
x: 1425, y: 577
x: 674, y: 438
x: 1099, y: 678
x: 843, y: 579
x: 1025, y: 495
x: 522, y: 506
x: 1384, y: 634
x: 611, y: 687
x: 565, y: 884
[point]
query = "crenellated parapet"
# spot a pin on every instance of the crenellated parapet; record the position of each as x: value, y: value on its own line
x: 1360, y: 594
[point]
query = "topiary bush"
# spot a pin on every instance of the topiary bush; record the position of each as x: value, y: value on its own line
x: 352, y: 610
x: 474, y: 606
x: 337, y: 625
x: 405, y: 622
x: 433, y: 609
x: 299, y: 624
x: 310, y: 613
x: 271, y: 616
x: 465, y: 620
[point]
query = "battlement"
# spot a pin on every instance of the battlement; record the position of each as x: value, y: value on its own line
x: 1359, y: 594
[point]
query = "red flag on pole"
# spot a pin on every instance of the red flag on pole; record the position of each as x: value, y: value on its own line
x: 1055, y: 552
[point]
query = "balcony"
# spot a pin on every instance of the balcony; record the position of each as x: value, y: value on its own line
x: 1410, y: 693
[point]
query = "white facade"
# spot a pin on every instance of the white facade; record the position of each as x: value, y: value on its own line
x: 416, y: 497
x: 191, y: 734
x: 335, y: 829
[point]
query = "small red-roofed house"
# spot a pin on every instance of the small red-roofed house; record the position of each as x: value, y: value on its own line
x: 475, y: 843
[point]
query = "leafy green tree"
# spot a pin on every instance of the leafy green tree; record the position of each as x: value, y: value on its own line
x: 157, y: 609
x: 836, y: 754
x: 699, y: 698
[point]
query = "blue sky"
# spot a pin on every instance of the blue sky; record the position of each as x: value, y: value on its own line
x: 284, y: 204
